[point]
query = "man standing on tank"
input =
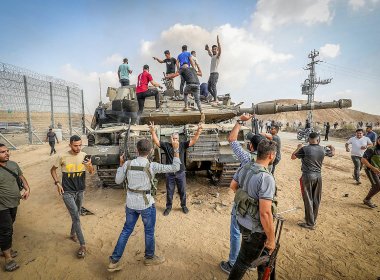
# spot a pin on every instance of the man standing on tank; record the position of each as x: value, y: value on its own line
x: 189, y: 75
x: 170, y: 65
x: 123, y: 73
x: 215, y: 53
x: 178, y: 178
x: 184, y: 57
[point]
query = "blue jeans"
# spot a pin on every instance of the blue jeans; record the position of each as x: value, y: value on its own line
x: 172, y: 179
x: 131, y: 216
x: 234, y: 237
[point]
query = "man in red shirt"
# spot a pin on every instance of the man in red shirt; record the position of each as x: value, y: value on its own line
x: 142, y: 90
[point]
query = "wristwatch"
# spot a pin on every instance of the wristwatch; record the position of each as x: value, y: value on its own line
x: 240, y: 122
x: 176, y: 151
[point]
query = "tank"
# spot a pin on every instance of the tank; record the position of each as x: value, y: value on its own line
x: 114, y: 130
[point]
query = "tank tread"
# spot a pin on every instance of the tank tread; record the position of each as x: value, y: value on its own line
x: 107, y: 175
x: 223, y: 177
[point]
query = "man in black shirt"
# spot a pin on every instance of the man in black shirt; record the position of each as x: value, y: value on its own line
x: 51, y: 137
x: 371, y: 160
x: 178, y: 178
x: 170, y: 65
x: 327, y: 131
x: 192, y: 84
x: 312, y: 157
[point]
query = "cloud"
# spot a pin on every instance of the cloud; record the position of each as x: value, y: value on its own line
x: 329, y: 51
x: 273, y: 13
x: 114, y: 59
x: 241, y: 52
x: 359, y: 4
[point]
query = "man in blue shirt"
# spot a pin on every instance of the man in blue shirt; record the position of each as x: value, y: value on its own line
x: 371, y: 134
x: 184, y: 57
x: 123, y: 73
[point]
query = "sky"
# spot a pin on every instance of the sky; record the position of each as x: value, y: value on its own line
x: 265, y: 44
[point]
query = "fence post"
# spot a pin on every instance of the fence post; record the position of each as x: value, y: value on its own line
x: 83, y: 115
x: 68, y: 100
x: 29, y: 119
x: 51, y: 105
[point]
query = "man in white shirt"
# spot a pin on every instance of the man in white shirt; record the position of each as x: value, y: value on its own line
x: 214, y: 75
x: 140, y: 202
x: 359, y: 144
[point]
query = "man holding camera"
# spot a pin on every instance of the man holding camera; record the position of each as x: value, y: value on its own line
x: 74, y: 164
x: 312, y: 157
x: 9, y: 201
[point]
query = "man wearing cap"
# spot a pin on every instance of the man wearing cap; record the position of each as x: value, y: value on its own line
x: 123, y: 73
x: 142, y: 90
x: 244, y: 157
x: 371, y: 134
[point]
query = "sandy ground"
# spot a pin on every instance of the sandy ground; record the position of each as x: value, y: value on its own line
x: 345, y: 244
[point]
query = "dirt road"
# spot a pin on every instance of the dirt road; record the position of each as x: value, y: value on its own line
x: 345, y: 244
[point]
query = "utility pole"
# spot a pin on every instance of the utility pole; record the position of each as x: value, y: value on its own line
x: 311, y: 83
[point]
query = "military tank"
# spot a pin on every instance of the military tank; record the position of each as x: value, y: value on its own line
x: 114, y: 130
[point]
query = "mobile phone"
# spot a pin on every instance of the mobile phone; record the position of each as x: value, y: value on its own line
x: 86, y: 158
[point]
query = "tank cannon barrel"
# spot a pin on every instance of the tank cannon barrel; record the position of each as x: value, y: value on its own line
x: 273, y: 108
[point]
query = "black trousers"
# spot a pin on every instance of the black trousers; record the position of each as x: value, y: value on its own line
x: 311, y: 189
x: 212, y: 81
x: 251, y: 246
x: 124, y: 82
x: 182, y: 85
x: 142, y: 95
x: 7, y: 218
x: 327, y: 136
x: 274, y: 165
x: 375, y: 184
x: 52, y: 147
x: 173, y: 179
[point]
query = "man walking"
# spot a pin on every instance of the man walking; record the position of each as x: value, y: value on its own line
x: 312, y: 157
x: 139, y: 174
x: 257, y: 190
x: 327, y: 131
x: 142, y: 90
x: 274, y: 132
x: 10, y: 176
x: 371, y: 134
x: 51, y: 137
x: 371, y: 160
x: 359, y: 144
x: 175, y: 178
x: 123, y: 73
x: 74, y: 164
x: 215, y: 53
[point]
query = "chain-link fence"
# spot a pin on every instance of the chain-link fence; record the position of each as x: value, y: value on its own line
x: 30, y: 103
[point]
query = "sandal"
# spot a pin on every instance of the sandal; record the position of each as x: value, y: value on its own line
x: 11, y: 266
x: 13, y: 254
x: 369, y: 203
x: 305, y: 225
x: 81, y: 252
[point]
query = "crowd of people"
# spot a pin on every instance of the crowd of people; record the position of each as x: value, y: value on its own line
x: 252, y: 223
x: 187, y: 67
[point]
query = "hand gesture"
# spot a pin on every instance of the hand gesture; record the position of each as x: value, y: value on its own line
x: 155, y: 58
x: 122, y: 159
x: 151, y: 127
x: 60, y: 189
x: 175, y: 144
x: 206, y: 47
x: 245, y: 117
x: 217, y: 39
x: 25, y: 195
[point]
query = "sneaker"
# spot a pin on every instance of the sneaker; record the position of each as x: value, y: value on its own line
x: 358, y: 182
x: 186, y: 108
x: 185, y: 210
x: 369, y: 203
x: 154, y: 261
x: 158, y: 110
x: 305, y: 225
x: 225, y: 266
x: 167, y: 211
x: 114, y: 266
